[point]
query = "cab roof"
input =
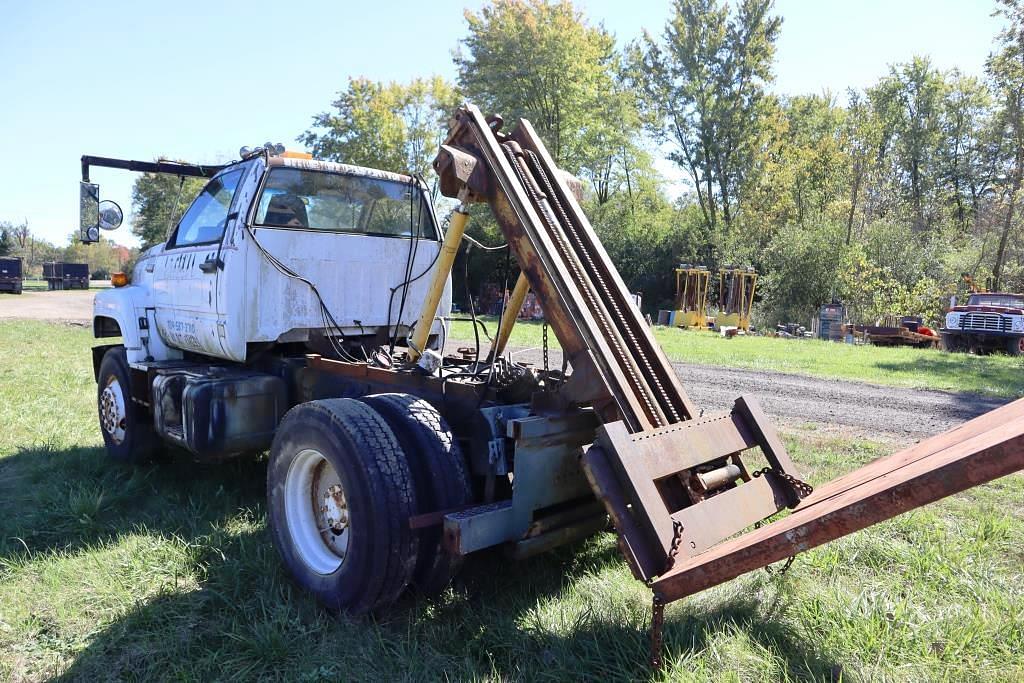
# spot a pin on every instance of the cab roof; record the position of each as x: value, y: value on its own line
x: 335, y: 167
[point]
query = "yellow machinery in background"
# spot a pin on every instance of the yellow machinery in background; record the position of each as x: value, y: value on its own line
x: 735, y: 297
x: 692, y: 297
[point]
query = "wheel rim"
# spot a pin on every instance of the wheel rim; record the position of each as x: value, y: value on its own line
x: 113, y: 416
x: 316, y: 511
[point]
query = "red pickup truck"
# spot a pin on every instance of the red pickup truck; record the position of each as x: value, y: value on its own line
x: 988, y: 321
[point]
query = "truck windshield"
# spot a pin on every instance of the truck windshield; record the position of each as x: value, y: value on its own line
x: 333, y: 202
x: 1004, y: 300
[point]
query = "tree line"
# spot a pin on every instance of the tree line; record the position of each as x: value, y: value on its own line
x: 882, y: 197
x: 104, y: 258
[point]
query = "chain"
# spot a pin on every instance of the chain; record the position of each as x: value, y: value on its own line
x: 544, y: 346
x: 658, y: 605
x: 783, y: 569
x: 677, y: 535
x: 801, y: 489
x: 657, y: 626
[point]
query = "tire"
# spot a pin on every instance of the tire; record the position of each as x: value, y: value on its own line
x: 126, y: 427
x: 1015, y: 346
x: 356, y: 552
x: 439, y: 476
x: 953, y: 343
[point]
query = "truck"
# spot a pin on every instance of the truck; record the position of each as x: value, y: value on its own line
x: 302, y: 307
x: 61, y: 276
x: 10, y: 274
x: 988, y: 321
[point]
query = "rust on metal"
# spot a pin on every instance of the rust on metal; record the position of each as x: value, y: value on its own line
x: 983, y: 449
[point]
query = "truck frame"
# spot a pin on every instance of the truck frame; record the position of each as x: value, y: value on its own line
x: 391, y: 461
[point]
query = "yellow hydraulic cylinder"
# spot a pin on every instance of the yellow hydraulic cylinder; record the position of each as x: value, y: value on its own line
x: 449, y: 248
x: 508, y: 319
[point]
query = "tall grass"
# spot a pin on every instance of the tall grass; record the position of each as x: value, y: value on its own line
x: 166, y: 572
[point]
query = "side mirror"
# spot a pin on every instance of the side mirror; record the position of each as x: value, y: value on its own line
x: 110, y: 215
x: 88, y: 212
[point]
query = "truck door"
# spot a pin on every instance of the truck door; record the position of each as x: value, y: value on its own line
x: 187, y: 318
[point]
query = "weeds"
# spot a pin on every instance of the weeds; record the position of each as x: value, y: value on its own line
x: 166, y: 572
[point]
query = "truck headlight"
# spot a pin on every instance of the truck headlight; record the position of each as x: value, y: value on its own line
x: 1018, y: 323
x: 953, y: 321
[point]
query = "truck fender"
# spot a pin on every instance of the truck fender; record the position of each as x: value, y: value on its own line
x: 117, y: 313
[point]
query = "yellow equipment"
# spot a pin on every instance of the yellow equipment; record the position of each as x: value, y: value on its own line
x: 692, y: 297
x: 735, y: 297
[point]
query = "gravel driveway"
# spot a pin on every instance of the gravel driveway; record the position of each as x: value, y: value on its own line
x: 856, y: 409
x: 73, y: 305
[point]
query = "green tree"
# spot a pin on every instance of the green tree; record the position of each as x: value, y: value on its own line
x: 909, y: 101
x: 1006, y: 69
x: 703, y: 90
x: 802, y: 172
x: 800, y: 271
x: 965, y: 155
x: 862, y: 138
x: 6, y: 243
x: 158, y: 201
x: 544, y: 62
x: 390, y: 126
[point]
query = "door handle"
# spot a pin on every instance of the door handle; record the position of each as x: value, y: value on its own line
x: 211, y: 265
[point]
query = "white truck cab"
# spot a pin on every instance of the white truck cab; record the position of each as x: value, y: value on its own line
x: 280, y: 250
x: 278, y: 257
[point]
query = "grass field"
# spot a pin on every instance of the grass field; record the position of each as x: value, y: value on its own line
x: 166, y: 572
x: 996, y: 374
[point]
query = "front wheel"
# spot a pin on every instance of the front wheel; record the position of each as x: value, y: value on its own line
x: 339, y: 498
x: 127, y: 431
x: 1015, y: 346
x: 954, y: 343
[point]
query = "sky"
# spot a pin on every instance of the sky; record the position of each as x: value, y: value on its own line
x: 197, y: 80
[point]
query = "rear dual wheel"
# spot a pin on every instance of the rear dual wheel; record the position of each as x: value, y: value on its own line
x: 344, y: 478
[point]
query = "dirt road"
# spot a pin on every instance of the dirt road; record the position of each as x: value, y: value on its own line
x: 856, y: 409
x: 74, y: 305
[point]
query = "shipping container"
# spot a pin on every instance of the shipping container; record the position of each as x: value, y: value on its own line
x: 10, y: 274
x: 60, y: 275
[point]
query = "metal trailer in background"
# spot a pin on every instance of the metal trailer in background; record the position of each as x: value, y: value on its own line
x: 10, y: 274
x: 691, y: 310
x: 60, y: 275
x: 735, y: 297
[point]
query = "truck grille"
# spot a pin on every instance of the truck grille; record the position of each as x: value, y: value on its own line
x: 985, y: 322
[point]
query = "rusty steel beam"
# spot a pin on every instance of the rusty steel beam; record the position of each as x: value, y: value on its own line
x: 654, y: 363
x: 984, y: 449
x: 597, y: 378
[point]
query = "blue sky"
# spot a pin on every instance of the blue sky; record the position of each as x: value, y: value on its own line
x: 197, y: 80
